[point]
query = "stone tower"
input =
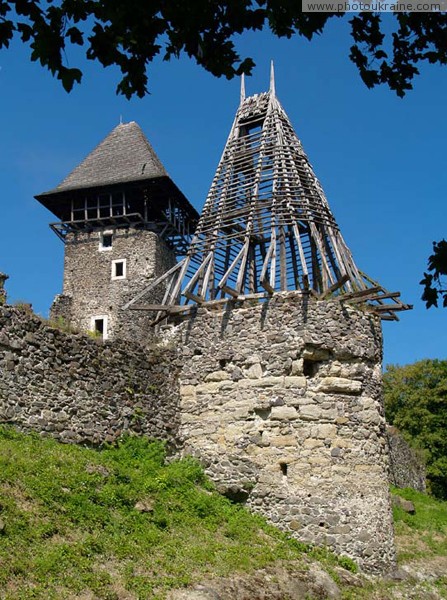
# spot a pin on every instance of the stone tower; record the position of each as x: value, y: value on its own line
x: 280, y: 346
x: 123, y: 222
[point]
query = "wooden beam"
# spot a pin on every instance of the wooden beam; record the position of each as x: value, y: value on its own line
x: 222, y: 282
x: 153, y: 284
x: 192, y: 282
x: 194, y: 297
x: 361, y: 293
x: 389, y: 307
x: 374, y: 296
x: 230, y: 291
x: 388, y: 317
x: 173, y: 309
x: 240, y: 283
x: 266, y: 285
x: 265, y: 265
x: 338, y: 284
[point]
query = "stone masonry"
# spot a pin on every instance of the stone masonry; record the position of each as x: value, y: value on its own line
x: 407, y: 467
x: 282, y: 402
x: 89, y: 289
x: 81, y: 390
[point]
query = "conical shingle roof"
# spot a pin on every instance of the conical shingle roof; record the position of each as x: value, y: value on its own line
x: 266, y: 225
x: 124, y: 155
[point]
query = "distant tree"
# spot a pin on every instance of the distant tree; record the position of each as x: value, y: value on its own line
x: 416, y: 403
x: 130, y: 33
x: 435, y: 283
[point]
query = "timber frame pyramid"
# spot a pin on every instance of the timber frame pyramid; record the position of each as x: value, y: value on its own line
x: 266, y: 227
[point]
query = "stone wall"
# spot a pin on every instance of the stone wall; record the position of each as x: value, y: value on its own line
x: 282, y: 402
x: 90, y: 291
x: 407, y: 468
x: 82, y: 390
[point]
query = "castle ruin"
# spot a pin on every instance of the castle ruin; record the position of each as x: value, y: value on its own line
x: 269, y: 335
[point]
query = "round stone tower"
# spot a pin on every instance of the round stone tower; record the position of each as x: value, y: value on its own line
x: 280, y: 346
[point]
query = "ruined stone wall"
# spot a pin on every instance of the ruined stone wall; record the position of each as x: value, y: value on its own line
x: 81, y: 390
x: 282, y: 402
x: 407, y: 467
x: 90, y: 291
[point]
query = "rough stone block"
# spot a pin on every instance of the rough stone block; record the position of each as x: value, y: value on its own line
x: 325, y: 431
x: 313, y: 443
x: 254, y: 371
x: 310, y: 412
x: 339, y: 385
x: 295, y: 382
x: 265, y: 382
x: 283, y: 412
x: 188, y: 390
x: 370, y: 416
x: 281, y: 441
x: 316, y: 354
x: 297, y: 367
x: 217, y: 376
x: 208, y: 388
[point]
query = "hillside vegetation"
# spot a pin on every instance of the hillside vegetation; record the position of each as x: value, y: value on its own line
x: 416, y: 403
x: 122, y: 523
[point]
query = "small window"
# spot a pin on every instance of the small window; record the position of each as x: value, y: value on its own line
x: 99, y: 326
x: 106, y: 241
x: 284, y: 468
x: 119, y: 269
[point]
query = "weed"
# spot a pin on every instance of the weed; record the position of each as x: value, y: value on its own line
x: 64, y: 519
x: 425, y: 532
x: 24, y: 306
x: 94, y: 334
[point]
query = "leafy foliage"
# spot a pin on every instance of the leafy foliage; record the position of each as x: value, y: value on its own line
x: 416, y: 403
x: 435, y: 287
x: 131, y: 34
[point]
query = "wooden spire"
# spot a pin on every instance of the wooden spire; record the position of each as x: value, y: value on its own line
x: 266, y: 225
x: 272, y: 79
x: 242, y: 88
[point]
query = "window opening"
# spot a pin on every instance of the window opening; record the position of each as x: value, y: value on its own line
x: 283, y: 468
x: 106, y: 241
x: 99, y: 326
x: 310, y: 367
x: 102, y: 206
x: 119, y: 269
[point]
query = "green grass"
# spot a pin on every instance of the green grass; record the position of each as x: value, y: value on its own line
x: 423, y: 534
x: 71, y: 526
x: 71, y: 529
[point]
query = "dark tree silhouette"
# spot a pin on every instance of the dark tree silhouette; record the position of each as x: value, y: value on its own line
x: 435, y: 283
x: 131, y: 33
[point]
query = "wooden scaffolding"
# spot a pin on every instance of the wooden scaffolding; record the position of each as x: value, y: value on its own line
x: 266, y: 227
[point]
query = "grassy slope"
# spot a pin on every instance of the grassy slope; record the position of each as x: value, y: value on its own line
x: 71, y: 529
x: 423, y: 534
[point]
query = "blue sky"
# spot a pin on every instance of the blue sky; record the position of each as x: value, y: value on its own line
x: 380, y: 159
